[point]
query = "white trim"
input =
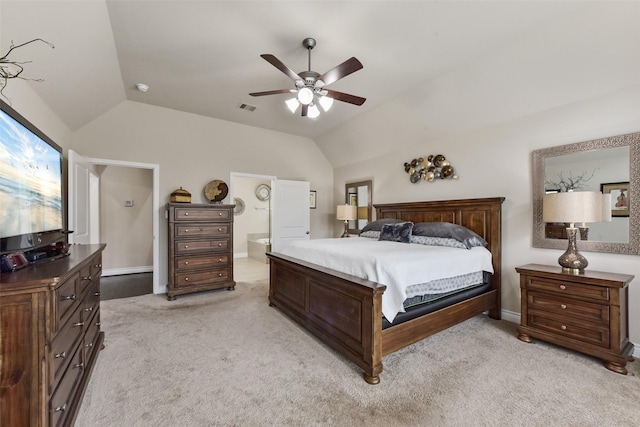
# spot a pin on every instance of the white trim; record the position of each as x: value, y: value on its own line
x: 127, y: 270
x: 510, y: 316
x: 157, y: 288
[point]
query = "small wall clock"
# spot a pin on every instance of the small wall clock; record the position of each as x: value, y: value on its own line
x: 263, y: 192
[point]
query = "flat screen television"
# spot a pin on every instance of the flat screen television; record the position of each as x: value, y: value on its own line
x: 32, y: 202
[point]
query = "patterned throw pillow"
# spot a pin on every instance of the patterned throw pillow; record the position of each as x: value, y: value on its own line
x: 398, y: 232
x: 437, y: 241
x: 371, y: 234
x: 377, y: 225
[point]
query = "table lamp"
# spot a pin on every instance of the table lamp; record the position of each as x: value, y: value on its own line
x: 346, y: 213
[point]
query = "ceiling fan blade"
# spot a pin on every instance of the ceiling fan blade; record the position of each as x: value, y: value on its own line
x: 280, y: 66
x: 345, y: 97
x: 272, y: 92
x: 349, y: 66
x: 305, y: 108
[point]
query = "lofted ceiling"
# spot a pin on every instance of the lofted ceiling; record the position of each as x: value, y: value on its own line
x: 203, y: 57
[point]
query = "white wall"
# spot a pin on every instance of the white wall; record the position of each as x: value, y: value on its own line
x: 573, y: 81
x: 256, y: 216
x: 192, y: 150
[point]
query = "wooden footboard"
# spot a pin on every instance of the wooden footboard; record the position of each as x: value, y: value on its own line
x: 345, y: 312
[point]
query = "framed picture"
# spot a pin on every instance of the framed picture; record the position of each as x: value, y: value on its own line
x: 312, y: 199
x: 619, y: 197
x: 353, y: 199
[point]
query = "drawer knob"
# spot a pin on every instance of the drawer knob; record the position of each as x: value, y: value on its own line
x: 219, y: 274
x: 61, y: 408
x: 68, y: 297
x: 89, y: 309
x: 186, y: 214
x: 563, y: 287
x: 186, y: 279
x: 79, y: 324
x: 98, y: 266
x: 98, y: 324
x: 186, y: 263
x: 89, y: 345
x: 219, y: 259
x: 61, y: 355
x: 219, y: 229
x: 79, y: 365
x: 219, y: 213
x: 563, y: 306
x: 97, y: 294
x: 219, y: 244
x: 186, y: 246
x: 186, y: 230
x: 563, y: 327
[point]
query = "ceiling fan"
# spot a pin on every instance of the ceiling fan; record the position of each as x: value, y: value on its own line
x: 310, y: 86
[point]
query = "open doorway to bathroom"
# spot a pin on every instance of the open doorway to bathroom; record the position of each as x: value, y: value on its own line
x: 252, y: 216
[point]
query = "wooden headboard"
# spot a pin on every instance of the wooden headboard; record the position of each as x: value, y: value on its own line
x: 483, y: 216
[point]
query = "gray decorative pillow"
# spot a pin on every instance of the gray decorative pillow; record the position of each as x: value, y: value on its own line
x: 377, y: 225
x: 437, y: 241
x: 398, y: 232
x: 371, y: 234
x: 450, y: 231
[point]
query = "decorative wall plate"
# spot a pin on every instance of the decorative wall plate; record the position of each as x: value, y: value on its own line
x: 216, y: 190
x: 239, y: 208
x: 263, y: 192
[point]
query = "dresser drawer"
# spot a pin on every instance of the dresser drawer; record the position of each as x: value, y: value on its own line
x: 195, y: 214
x: 197, y: 262
x: 188, y: 246
x: 61, y: 401
x: 562, y: 287
x: 67, y: 297
x: 64, y: 345
x: 194, y: 279
x: 570, y: 328
x: 91, y: 303
x: 563, y: 306
x: 90, y: 339
x: 185, y: 230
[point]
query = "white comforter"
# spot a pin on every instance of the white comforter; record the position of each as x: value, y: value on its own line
x: 396, y: 265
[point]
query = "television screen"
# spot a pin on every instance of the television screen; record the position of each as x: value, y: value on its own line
x: 31, y: 181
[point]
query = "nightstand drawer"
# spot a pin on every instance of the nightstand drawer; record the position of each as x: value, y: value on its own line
x: 596, y: 313
x: 563, y: 287
x: 570, y: 328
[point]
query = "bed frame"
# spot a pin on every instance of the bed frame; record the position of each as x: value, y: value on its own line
x: 345, y: 312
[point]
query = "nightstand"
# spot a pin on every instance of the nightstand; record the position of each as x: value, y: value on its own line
x: 585, y: 312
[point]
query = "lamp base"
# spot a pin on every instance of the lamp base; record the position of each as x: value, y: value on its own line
x: 346, y: 229
x: 571, y: 260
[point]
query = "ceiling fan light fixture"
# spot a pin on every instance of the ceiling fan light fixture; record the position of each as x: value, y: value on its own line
x: 325, y: 102
x: 292, y: 104
x: 305, y: 96
x: 313, y: 111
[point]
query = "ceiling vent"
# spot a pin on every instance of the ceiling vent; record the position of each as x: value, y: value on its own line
x: 247, y: 107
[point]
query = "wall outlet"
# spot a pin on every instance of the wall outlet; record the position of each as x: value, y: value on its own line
x: 128, y: 203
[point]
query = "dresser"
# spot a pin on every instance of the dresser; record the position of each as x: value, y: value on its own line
x: 49, y: 337
x: 586, y: 312
x: 200, y: 248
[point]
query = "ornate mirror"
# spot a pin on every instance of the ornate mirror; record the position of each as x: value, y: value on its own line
x: 359, y: 194
x: 609, y: 165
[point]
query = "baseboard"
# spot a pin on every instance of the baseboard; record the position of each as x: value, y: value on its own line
x: 513, y: 317
x: 126, y: 270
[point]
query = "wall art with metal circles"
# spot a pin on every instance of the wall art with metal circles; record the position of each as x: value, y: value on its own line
x: 429, y: 168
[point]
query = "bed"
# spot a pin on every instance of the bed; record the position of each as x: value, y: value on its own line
x: 345, y: 311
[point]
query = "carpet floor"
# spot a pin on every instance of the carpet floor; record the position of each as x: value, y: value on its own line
x: 225, y: 358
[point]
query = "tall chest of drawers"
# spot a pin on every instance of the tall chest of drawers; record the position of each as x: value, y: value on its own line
x: 49, y: 337
x: 586, y: 312
x: 200, y: 248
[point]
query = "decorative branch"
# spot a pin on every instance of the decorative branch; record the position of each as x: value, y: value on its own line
x: 570, y: 183
x: 12, y: 69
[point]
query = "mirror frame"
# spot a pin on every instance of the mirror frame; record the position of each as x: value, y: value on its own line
x: 538, y: 156
x: 369, y: 185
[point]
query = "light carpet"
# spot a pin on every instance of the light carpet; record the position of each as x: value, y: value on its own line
x: 225, y: 358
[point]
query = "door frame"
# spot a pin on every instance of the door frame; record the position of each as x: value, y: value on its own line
x: 156, y: 207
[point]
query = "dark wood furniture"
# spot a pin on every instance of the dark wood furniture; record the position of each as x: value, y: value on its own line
x: 200, y: 248
x: 345, y: 311
x: 49, y: 337
x: 584, y: 312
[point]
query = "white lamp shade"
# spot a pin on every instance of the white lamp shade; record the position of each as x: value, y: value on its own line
x: 346, y: 212
x: 571, y: 207
x: 292, y: 104
x: 305, y: 96
x: 313, y: 111
x: 325, y: 102
x: 606, y: 207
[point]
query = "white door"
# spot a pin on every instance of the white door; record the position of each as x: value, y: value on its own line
x: 83, y: 195
x: 290, y: 218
